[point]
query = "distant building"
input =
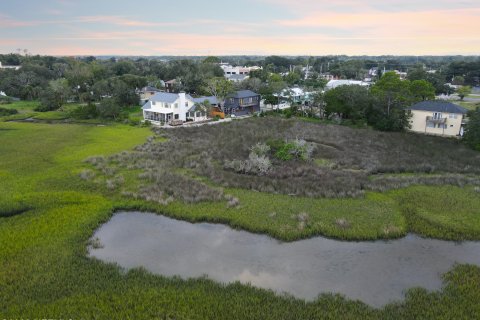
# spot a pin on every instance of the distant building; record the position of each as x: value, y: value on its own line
x: 172, y: 86
x: 336, y: 83
x: 242, y: 103
x: 237, y: 77
x: 9, y: 67
x: 438, y: 117
x: 237, y: 74
x: 146, y: 93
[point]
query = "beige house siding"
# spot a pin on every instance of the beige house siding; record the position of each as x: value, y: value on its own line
x: 449, y: 124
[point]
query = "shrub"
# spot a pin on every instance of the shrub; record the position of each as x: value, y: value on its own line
x: 88, y: 111
x: 260, y: 149
x: 7, y: 112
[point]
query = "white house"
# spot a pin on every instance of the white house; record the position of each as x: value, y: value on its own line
x: 9, y: 67
x: 164, y: 107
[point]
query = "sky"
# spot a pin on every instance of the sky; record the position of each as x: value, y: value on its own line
x: 240, y: 27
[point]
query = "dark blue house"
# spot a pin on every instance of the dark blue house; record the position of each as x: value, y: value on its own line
x: 242, y: 103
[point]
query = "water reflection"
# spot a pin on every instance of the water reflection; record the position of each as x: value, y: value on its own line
x: 374, y: 272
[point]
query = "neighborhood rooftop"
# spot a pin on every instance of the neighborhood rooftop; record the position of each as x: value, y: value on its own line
x: 438, y: 106
x: 243, y: 94
x: 164, y: 97
x: 212, y: 100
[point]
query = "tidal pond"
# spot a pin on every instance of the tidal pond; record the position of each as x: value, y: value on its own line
x: 376, y: 272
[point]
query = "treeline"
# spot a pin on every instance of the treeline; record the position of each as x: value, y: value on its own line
x: 382, y: 106
x: 442, y: 69
x: 54, y: 81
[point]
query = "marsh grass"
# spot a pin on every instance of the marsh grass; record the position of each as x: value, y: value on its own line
x: 269, y: 155
x: 45, y: 271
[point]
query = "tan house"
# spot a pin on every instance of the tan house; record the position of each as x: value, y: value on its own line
x: 438, y: 117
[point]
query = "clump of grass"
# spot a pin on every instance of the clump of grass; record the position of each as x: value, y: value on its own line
x: 95, y: 243
x: 342, y: 223
x: 234, y: 202
x: 87, y: 174
x: 391, y: 230
x: 302, y: 219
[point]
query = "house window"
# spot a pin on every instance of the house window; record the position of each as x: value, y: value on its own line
x: 153, y: 102
x: 451, y: 126
x: 437, y: 115
x: 167, y: 105
x: 452, y: 116
x: 186, y: 104
x: 430, y: 125
x: 177, y: 116
x: 198, y: 114
x: 176, y: 105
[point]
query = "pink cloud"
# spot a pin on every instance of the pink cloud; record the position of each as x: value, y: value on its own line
x: 8, y: 22
x: 373, y: 24
x: 154, y: 43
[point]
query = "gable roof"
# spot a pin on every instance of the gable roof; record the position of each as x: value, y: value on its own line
x: 243, y: 94
x: 149, y: 88
x: 210, y: 99
x: 164, y: 97
x: 438, y: 106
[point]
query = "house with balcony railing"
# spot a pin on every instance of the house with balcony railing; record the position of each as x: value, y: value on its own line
x: 438, y: 117
x: 242, y: 103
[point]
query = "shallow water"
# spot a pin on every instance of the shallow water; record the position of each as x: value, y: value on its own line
x: 376, y: 272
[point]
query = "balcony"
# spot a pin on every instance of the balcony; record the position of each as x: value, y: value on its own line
x: 436, y: 119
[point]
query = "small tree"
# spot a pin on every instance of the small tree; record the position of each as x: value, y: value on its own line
x: 109, y: 109
x: 472, y: 134
x: 220, y: 88
x: 464, y: 91
x: 55, y: 96
x: 422, y: 90
x: 348, y: 102
x: 458, y: 81
x: 390, y: 98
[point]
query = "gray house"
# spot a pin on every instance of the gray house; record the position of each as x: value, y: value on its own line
x: 242, y: 103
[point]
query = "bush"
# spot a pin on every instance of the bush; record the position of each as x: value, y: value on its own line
x: 88, y: 111
x: 7, y: 112
x: 295, y: 149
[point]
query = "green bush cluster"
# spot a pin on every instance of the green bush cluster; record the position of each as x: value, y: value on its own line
x: 7, y: 112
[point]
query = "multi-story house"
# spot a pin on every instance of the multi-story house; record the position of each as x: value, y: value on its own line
x: 242, y: 103
x: 171, y: 86
x: 164, y: 107
x: 146, y: 93
x: 438, y: 117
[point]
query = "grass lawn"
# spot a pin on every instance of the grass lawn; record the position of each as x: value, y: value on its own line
x: 47, y: 215
x: 470, y: 105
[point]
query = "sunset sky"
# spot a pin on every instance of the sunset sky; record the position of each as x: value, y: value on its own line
x: 241, y: 27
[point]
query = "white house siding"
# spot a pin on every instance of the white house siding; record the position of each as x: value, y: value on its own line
x: 164, y: 112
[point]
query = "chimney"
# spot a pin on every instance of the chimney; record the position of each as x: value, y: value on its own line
x: 182, y: 99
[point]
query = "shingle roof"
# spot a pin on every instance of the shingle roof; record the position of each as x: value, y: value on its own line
x: 438, y: 106
x: 210, y: 99
x: 237, y: 76
x: 164, y: 97
x: 243, y: 94
x: 149, y: 88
